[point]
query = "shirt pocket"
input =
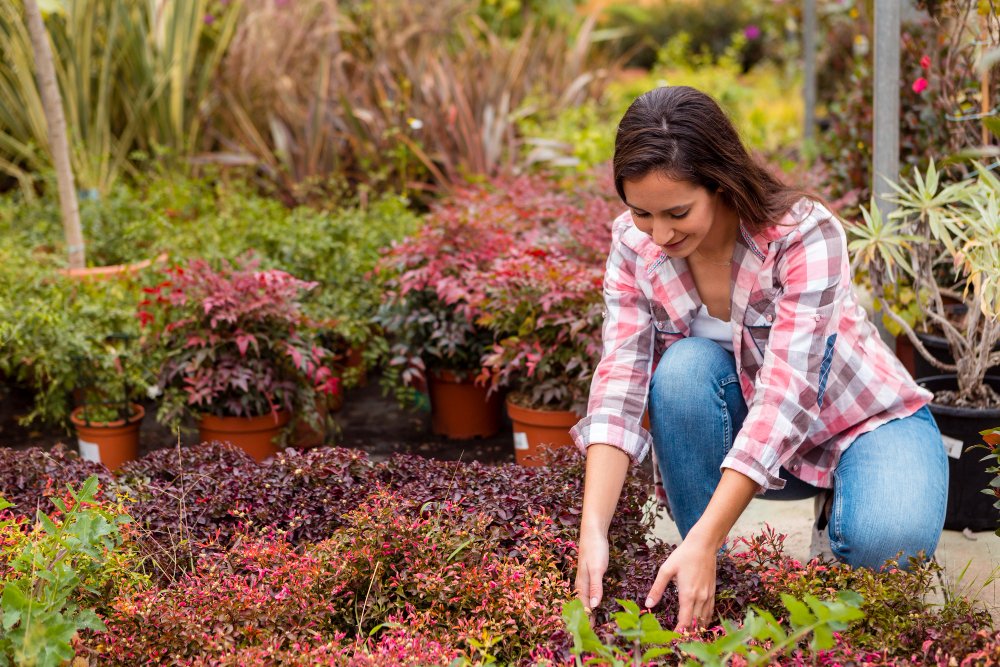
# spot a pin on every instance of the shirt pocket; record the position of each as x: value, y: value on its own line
x: 662, y: 322
x: 759, y: 318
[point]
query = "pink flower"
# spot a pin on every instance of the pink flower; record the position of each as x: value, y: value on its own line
x: 209, y: 19
x: 920, y: 85
x: 925, y: 62
x: 751, y: 32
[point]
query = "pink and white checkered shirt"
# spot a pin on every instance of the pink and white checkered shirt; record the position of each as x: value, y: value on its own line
x: 813, y: 370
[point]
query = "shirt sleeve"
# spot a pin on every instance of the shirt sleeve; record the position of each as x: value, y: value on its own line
x: 815, y: 274
x: 620, y: 386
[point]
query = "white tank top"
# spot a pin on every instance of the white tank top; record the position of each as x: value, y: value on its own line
x: 705, y: 326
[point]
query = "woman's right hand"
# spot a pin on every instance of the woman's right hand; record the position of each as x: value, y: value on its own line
x: 591, y: 566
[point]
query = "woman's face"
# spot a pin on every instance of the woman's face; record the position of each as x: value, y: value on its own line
x: 680, y: 216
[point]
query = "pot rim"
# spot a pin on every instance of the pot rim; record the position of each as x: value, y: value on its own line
x: 138, y: 412
x: 955, y: 411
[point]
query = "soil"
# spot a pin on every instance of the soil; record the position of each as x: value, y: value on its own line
x: 367, y: 421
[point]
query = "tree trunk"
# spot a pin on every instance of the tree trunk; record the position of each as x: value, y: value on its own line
x: 59, y: 147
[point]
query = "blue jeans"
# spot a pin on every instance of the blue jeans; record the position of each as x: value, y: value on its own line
x: 890, y: 486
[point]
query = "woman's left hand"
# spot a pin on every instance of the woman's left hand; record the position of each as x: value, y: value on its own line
x: 692, y: 566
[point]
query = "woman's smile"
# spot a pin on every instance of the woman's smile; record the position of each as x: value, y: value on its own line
x: 675, y: 245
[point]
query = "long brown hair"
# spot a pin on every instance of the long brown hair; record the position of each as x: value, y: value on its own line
x: 683, y: 133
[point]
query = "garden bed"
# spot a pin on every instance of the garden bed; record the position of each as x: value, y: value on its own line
x: 326, y: 557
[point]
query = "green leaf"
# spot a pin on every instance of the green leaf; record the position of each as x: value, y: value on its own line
x: 822, y: 638
x: 88, y: 489
x: 992, y: 123
x: 14, y: 602
x: 87, y: 619
x: 656, y: 653
x: 798, y: 613
x: 47, y: 524
x: 628, y: 606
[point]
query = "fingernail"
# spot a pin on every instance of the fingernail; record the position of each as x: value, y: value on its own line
x: 649, y: 602
x: 593, y: 602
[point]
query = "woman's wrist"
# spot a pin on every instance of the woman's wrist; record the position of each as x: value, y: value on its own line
x: 705, y: 537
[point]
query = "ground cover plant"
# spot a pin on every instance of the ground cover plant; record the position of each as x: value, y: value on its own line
x: 325, y: 557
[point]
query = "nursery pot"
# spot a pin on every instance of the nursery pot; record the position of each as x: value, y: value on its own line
x: 460, y: 409
x: 968, y: 507
x: 110, y: 443
x: 939, y: 349
x: 254, y: 435
x: 535, y: 430
x: 304, y: 435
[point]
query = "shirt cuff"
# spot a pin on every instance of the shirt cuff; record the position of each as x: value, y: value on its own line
x: 614, y: 430
x: 745, y: 464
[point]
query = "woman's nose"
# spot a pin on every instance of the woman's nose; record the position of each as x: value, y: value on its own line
x: 663, y: 233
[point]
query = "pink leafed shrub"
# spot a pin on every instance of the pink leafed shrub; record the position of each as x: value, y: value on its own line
x: 233, y: 342
x: 503, y: 283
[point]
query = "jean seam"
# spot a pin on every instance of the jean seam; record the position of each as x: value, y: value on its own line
x: 836, y: 512
x: 727, y: 426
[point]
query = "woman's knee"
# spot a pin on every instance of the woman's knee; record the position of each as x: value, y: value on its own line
x: 692, y: 365
x: 880, y: 534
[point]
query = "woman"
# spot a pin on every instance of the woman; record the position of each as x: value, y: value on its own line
x: 729, y: 305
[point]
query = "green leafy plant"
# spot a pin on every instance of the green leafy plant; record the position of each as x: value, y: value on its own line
x: 71, y: 337
x: 942, y: 237
x: 759, y: 640
x: 991, y: 437
x: 131, y: 75
x: 45, y: 575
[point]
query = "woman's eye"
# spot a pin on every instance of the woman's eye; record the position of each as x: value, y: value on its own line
x: 640, y: 215
x: 678, y: 216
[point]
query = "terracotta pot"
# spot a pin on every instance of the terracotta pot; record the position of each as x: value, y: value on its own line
x: 254, y: 435
x: 354, y: 360
x: 106, y: 272
x: 906, y: 353
x: 536, y: 430
x: 110, y: 443
x: 460, y: 410
x: 305, y: 435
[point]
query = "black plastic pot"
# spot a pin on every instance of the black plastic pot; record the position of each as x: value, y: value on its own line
x: 968, y: 507
x: 939, y: 349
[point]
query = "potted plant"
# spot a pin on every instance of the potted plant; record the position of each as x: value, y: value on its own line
x: 436, y: 343
x: 69, y: 343
x: 546, y: 309
x: 108, y: 416
x: 943, y: 239
x: 543, y: 302
x: 236, y: 352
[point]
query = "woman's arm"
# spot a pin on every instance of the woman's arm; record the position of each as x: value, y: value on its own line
x: 693, y: 564
x: 606, y: 470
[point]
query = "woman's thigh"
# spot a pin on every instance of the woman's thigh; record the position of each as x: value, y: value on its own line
x: 890, y: 491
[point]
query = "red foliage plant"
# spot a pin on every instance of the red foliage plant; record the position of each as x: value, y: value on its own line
x: 504, y: 282
x: 234, y: 341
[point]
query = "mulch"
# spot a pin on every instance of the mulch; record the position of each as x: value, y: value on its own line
x: 367, y: 421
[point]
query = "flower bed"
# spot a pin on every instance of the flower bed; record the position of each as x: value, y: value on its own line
x: 323, y: 557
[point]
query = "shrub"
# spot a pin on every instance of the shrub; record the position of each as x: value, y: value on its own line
x: 30, y: 478
x: 52, y: 572
x: 454, y: 289
x: 234, y: 343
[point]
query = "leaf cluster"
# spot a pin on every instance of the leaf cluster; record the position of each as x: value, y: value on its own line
x: 46, y: 577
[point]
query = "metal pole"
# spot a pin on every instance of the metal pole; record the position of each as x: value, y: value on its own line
x: 809, y: 58
x: 885, y: 162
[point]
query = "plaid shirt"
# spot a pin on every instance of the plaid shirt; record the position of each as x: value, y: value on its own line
x: 812, y: 368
